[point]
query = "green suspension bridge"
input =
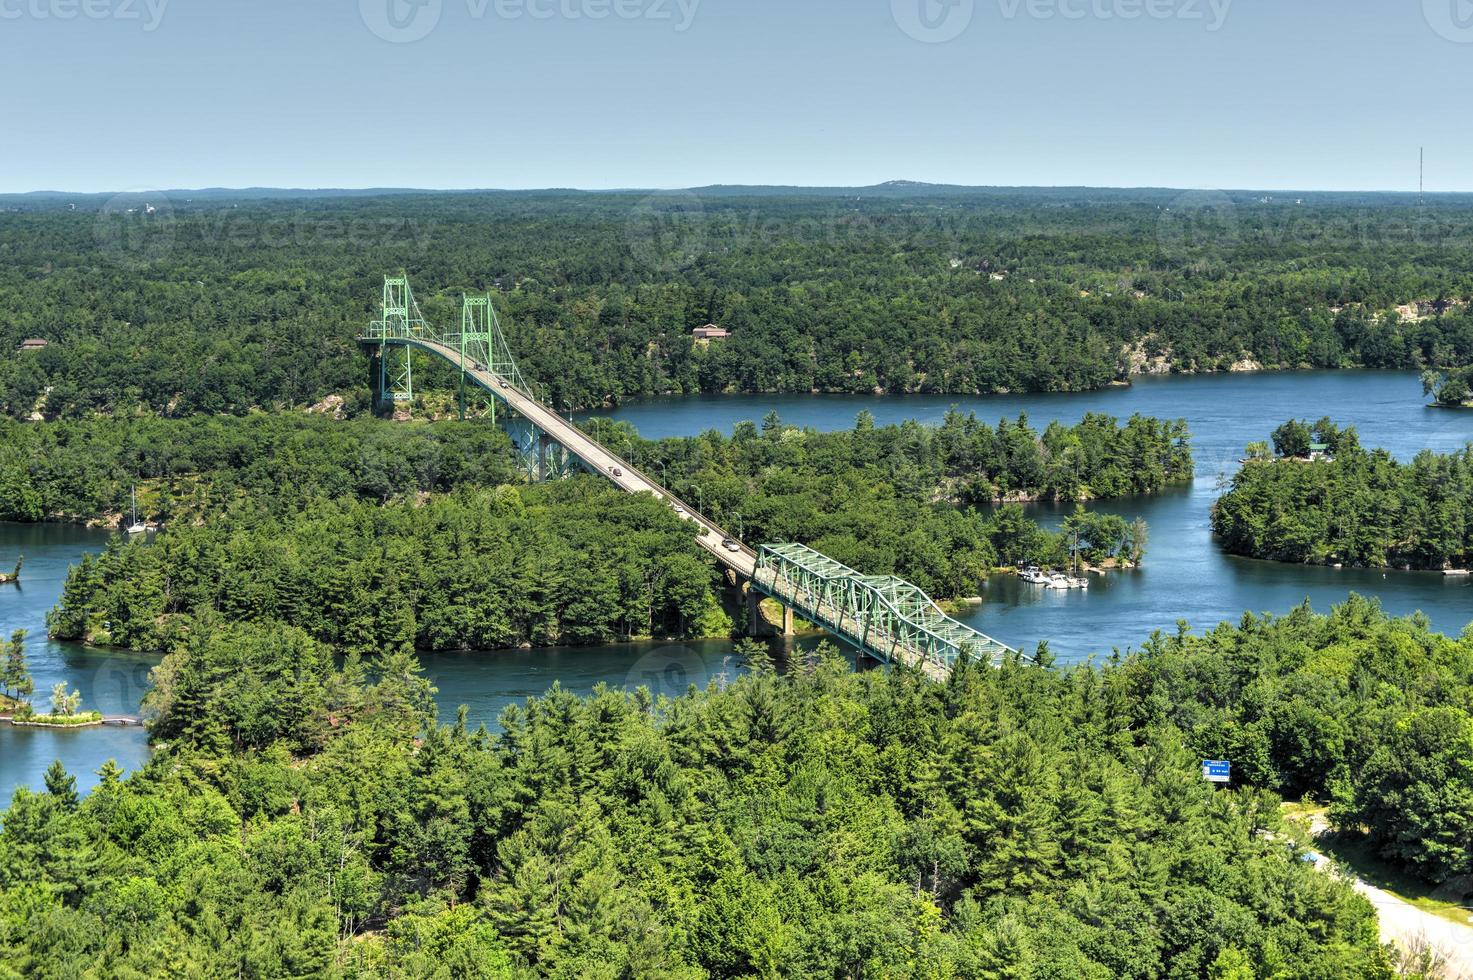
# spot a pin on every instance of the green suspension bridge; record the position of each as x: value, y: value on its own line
x: 884, y: 617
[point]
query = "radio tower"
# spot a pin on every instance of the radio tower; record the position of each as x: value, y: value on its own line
x: 1421, y: 174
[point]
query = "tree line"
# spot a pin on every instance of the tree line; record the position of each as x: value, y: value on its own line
x: 576, y: 562
x: 187, y: 470
x: 224, y: 305
x: 345, y: 528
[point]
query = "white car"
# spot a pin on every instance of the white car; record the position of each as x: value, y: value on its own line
x: 731, y: 545
x: 679, y: 511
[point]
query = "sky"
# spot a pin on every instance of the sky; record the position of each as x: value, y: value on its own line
x: 112, y: 95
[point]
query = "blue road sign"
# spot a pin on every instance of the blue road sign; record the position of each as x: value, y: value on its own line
x: 1216, y: 771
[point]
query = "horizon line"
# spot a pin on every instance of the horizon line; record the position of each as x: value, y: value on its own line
x: 884, y: 185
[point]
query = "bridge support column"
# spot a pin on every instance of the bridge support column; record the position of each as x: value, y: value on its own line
x: 758, y: 624
x: 542, y: 443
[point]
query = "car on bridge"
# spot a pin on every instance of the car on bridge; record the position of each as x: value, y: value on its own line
x: 731, y: 545
x: 616, y: 471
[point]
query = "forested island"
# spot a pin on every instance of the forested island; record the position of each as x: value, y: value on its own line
x: 1349, y: 505
x: 370, y: 534
x: 256, y: 299
x: 1450, y: 389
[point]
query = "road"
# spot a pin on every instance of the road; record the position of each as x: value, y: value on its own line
x: 1405, y: 925
x: 743, y: 561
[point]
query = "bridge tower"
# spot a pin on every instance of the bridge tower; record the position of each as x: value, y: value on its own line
x: 393, y: 364
x: 482, y: 356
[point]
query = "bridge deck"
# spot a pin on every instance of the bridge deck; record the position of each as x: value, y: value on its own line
x: 593, y: 454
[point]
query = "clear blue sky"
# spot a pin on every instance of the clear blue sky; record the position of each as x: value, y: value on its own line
x: 1308, y: 94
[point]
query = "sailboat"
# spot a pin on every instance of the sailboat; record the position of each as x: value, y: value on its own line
x: 136, y: 527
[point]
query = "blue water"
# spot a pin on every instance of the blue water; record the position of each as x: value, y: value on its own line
x: 109, y: 681
x: 1185, y: 575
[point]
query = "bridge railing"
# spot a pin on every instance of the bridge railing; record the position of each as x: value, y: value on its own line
x: 887, y: 617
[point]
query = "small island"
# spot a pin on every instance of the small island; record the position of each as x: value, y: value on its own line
x: 16, y: 687
x: 1320, y: 498
x: 13, y: 575
x: 1449, y: 389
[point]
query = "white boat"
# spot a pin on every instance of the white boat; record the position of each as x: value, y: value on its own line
x: 1058, y: 580
x: 136, y: 527
x: 1034, y: 575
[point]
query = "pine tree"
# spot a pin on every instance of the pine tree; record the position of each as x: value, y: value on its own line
x: 15, y: 676
x: 61, y: 784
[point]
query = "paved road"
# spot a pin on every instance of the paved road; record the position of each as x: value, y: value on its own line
x: 1405, y: 925
x: 743, y: 561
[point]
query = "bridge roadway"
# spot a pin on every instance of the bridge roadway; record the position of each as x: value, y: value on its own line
x: 884, y: 645
x: 743, y: 561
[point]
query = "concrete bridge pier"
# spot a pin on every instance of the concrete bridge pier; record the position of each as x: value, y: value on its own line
x: 758, y: 625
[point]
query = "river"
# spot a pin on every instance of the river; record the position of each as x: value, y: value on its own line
x: 1185, y: 575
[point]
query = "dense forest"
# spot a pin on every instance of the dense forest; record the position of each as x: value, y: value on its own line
x: 964, y: 460
x: 305, y: 813
x: 188, y: 470
x: 302, y: 818
x: 576, y: 562
x: 213, y: 304
x: 1357, y: 507
x: 1367, y: 713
